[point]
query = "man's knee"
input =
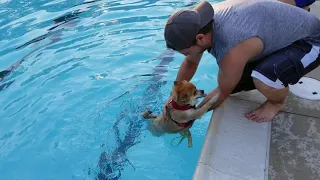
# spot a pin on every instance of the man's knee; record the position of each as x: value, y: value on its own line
x: 271, y: 93
x: 260, y: 85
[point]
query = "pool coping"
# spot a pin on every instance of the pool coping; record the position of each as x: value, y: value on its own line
x: 211, y: 163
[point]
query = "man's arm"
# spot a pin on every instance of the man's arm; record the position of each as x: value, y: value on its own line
x: 188, y: 67
x: 231, y: 68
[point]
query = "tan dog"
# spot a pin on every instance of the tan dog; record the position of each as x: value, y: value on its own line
x: 179, y: 112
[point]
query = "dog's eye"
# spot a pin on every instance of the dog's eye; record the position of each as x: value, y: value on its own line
x: 195, y: 93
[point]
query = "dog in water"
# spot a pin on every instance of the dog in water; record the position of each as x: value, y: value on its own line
x: 179, y: 112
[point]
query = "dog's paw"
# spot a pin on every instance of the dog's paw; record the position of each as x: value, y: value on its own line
x: 147, y: 114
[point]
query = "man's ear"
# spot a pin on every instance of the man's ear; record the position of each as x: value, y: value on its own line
x: 200, y: 38
x: 177, y: 82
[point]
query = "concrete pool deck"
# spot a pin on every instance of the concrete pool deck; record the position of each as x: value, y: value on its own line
x: 286, y: 148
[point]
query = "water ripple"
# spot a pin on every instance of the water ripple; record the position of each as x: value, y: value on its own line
x: 14, y: 101
x: 62, y: 72
x: 74, y: 78
x: 21, y: 109
x: 48, y: 70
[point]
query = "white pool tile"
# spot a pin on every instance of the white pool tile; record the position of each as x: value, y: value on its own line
x: 205, y: 172
x: 235, y: 145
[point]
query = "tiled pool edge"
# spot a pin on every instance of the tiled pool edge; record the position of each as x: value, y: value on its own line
x: 247, y: 152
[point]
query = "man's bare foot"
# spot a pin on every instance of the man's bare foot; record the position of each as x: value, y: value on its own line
x: 265, y: 112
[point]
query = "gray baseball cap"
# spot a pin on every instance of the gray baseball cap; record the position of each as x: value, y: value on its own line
x: 183, y: 26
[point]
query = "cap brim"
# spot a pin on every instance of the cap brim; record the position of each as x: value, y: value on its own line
x: 205, y: 11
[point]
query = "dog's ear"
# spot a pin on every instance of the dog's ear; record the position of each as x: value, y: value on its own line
x: 177, y: 82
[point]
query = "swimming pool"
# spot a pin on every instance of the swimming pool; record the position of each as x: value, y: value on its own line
x: 75, y: 76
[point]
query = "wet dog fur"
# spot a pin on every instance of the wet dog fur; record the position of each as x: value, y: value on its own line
x: 183, y: 93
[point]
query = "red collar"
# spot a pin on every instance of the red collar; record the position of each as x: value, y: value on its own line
x: 187, y: 124
x: 181, y: 108
x: 176, y: 106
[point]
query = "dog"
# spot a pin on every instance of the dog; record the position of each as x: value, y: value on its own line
x: 179, y: 112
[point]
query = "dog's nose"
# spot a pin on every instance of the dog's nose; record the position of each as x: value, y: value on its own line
x: 202, y: 91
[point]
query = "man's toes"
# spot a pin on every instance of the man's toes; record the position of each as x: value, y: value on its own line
x: 261, y: 119
x: 248, y: 115
x: 251, y: 116
x: 256, y: 118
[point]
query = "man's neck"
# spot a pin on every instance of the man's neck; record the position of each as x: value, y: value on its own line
x: 210, y: 42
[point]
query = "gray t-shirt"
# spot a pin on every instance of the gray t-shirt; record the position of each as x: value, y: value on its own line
x: 277, y: 24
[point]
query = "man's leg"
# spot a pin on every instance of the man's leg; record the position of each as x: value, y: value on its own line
x: 273, y: 74
x: 276, y: 97
x: 275, y: 102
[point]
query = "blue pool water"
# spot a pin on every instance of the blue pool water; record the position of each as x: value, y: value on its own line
x: 75, y: 76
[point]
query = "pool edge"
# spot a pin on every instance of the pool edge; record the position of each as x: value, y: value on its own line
x: 225, y: 125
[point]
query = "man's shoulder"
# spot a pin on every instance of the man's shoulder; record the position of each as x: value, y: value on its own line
x: 243, y: 51
x: 252, y: 45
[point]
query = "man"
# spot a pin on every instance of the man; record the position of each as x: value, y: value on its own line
x: 263, y: 45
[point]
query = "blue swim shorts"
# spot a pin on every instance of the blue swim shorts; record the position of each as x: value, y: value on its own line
x: 282, y: 68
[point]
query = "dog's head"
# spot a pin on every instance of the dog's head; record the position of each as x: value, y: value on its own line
x: 186, y: 93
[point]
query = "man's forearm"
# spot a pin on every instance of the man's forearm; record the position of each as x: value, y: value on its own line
x: 188, y: 67
x: 222, y: 97
x: 186, y: 71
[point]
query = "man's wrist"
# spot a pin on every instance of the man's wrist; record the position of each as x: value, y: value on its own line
x: 221, y: 98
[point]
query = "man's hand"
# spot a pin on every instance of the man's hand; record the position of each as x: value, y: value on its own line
x: 209, y: 96
x: 188, y: 67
